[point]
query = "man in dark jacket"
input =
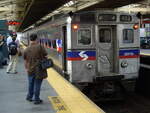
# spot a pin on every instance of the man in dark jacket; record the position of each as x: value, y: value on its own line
x: 32, y: 56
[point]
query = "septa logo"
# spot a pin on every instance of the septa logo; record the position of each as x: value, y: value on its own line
x: 59, y: 45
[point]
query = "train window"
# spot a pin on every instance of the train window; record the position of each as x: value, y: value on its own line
x: 40, y: 41
x: 84, y: 37
x: 107, y: 17
x: 128, y: 36
x: 49, y: 43
x: 54, y: 44
x: 105, y: 35
x: 46, y: 42
x: 125, y: 18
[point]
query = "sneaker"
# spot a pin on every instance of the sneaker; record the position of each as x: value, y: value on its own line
x: 8, y: 72
x: 29, y: 99
x: 38, y: 101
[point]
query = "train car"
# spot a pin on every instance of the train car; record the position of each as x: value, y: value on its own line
x: 94, y: 49
x: 145, y: 34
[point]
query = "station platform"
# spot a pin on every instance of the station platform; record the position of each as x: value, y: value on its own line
x: 58, y: 95
x: 145, y: 52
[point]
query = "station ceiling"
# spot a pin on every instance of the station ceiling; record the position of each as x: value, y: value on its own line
x: 29, y: 12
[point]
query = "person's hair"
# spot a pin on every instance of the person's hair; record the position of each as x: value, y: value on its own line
x: 13, y: 39
x: 33, y: 37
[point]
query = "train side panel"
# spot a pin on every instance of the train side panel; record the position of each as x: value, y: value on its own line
x: 128, y: 50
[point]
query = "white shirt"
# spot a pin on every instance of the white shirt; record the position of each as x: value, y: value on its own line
x: 9, y: 39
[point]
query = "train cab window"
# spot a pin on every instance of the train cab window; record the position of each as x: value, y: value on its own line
x: 105, y: 35
x: 84, y: 37
x: 128, y: 36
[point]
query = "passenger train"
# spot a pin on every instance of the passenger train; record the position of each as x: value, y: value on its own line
x: 145, y: 34
x: 94, y: 49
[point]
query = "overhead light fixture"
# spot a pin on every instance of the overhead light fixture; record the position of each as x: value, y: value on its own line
x: 70, y: 3
x: 55, y: 11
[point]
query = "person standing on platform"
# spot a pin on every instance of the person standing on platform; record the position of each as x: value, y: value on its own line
x: 9, y: 39
x: 5, y: 51
x: 13, y: 52
x: 1, y: 51
x: 33, y: 54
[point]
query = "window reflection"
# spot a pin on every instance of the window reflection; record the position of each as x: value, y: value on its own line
x: 105, y: 35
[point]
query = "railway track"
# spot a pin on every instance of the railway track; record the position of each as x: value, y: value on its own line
x: 135, y: 102
x: 132, y: 103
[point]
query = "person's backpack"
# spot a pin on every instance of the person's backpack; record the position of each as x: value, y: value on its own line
x: 13, y: 48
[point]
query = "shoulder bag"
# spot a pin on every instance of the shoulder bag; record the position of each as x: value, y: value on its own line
x: 46, y: 63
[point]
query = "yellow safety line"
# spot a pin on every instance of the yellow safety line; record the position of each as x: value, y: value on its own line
x: 22, y: 45
x: 59, y: 105
x: 144, y: 54
x: 75, y: 101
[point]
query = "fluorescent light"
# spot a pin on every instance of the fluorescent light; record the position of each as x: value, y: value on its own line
x: 70, y: 3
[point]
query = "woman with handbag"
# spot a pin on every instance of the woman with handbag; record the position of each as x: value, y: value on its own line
x: 33, y: 55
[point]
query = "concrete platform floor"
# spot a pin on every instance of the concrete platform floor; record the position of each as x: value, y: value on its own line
x: 13, y: 90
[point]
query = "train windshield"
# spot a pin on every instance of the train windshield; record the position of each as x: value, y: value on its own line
x: 84, y: 37
x: 105, y: 35
x: 128, y: 36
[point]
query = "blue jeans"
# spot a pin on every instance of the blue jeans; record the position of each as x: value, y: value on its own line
x: 34, y: 87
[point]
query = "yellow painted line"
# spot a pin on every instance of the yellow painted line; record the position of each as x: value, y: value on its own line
x: 145, y: 54
x: 59, y: 105
x: 75, y: 101
x: 22, y: 45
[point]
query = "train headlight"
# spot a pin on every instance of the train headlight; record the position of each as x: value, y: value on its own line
x: 124, y: 64
x: 75, y: 26
x: 89, y: 65
x: 135, y: 26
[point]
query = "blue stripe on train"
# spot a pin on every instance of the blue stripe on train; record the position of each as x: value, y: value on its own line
x: 129, y: 52
x: 75, y: 54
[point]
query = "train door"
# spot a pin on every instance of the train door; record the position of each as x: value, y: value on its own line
x: 105, y: 49
x: 64, y: 49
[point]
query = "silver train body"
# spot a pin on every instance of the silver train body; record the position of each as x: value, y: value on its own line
x: 92, y: 45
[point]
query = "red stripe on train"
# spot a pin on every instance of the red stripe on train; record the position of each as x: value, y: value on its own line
x: 134, y: 56
x: 79, y: 58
